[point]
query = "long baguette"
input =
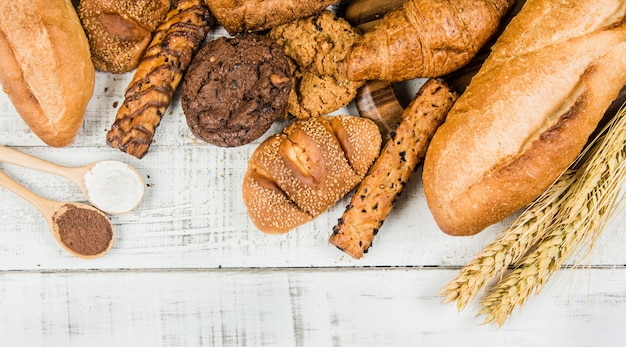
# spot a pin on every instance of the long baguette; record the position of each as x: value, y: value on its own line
x: 527, y: 113
x: 380, y: 188
x: 45, y: 67
x: 158, y: 75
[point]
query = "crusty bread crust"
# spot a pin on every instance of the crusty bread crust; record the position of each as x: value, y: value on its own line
x: 46, y: 69
x: 425, y: 38
x: 401, y: 154
x: 527, y: 114
x: 296, y: 175
x: 238, y: 16
x: 119, y: 31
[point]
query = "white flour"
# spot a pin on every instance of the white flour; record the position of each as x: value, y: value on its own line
x: 113, y: 186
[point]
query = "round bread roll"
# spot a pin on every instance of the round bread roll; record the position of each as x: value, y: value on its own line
x: 296, y: 175
x: 238, y: 16
x: 119, y: 31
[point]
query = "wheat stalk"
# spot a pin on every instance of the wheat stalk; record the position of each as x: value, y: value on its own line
x: 583, y: 214
x: 509, y: 247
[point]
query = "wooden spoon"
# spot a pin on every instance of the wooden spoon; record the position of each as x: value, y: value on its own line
x: 131, y: 180
x: 377, y: 101
x: 365, y: 14
x: 53, y: 211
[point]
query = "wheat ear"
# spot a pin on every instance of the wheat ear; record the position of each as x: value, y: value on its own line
x: 509, y: 247
x: 582, y: 216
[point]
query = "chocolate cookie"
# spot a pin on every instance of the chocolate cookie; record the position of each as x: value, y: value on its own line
x: 235, y: 88
x: 316, y: 45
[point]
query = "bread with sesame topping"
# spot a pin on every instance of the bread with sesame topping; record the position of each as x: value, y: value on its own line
x: 296, y: 175
x: 119, y: 31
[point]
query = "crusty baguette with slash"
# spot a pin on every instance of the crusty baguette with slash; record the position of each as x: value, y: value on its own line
x: 383, y: 184
x: 158, y: 75
x: 527, y: 113
x: 45, y: 67
x: 425, y: 38
x: 296, y: 175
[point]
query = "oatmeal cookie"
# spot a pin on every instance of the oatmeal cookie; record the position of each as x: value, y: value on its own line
x: 315, y: 46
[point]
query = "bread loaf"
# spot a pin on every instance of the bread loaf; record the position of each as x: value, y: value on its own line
x: 119, y: 31
x: 46, y: 69
x: 237, y: 16
x: 527, y: 113
x: 296, y: 175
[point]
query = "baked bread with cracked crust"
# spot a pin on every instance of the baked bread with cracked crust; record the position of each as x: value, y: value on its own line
x: 237, y: 16
x: 527, y: 113
x: 296, y: 175
x: 119, y: 31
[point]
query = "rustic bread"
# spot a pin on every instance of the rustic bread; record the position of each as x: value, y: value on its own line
x: 296, y: 175
x: 238, y: 16
x: 527, y: 113
x: 119, y: 31
x: 46, y: 69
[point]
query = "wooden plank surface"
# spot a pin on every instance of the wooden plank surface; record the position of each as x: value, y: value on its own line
x: 188, y: 268
x: 298, y: 307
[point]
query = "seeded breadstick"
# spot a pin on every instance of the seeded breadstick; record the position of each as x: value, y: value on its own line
x: 158, y: 75
x: 380, y: 188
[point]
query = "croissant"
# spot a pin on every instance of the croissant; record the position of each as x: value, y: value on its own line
x: 425, y: 38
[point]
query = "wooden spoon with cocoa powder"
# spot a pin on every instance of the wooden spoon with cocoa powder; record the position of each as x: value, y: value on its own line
x: 80, y: 229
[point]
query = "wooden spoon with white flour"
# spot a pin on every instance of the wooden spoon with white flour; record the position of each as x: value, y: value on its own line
x: 111, y: 186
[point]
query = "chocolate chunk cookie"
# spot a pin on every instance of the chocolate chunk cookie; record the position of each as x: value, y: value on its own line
x: 316, y: 45
x: 235, y: 88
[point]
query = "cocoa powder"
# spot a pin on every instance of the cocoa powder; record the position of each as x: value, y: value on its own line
x: 84, y: 231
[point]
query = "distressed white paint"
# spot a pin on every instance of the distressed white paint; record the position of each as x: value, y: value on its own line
x: 188, y: 268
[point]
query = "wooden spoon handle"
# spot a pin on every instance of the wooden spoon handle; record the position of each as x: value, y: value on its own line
x: 377, y: 101
x: 45, y: 206
x: 364, y: 14
x: 12, y: 156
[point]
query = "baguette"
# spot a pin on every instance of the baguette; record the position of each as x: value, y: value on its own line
x: 296, y: 175
x: 527, y: 113
x: 46, y: 69
x: 381, y: 187
x: 425, y: 38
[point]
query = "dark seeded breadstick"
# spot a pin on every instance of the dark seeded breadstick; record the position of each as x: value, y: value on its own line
x: 381, y: 187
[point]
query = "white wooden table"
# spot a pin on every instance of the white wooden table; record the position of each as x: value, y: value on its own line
x: 188, y: 268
